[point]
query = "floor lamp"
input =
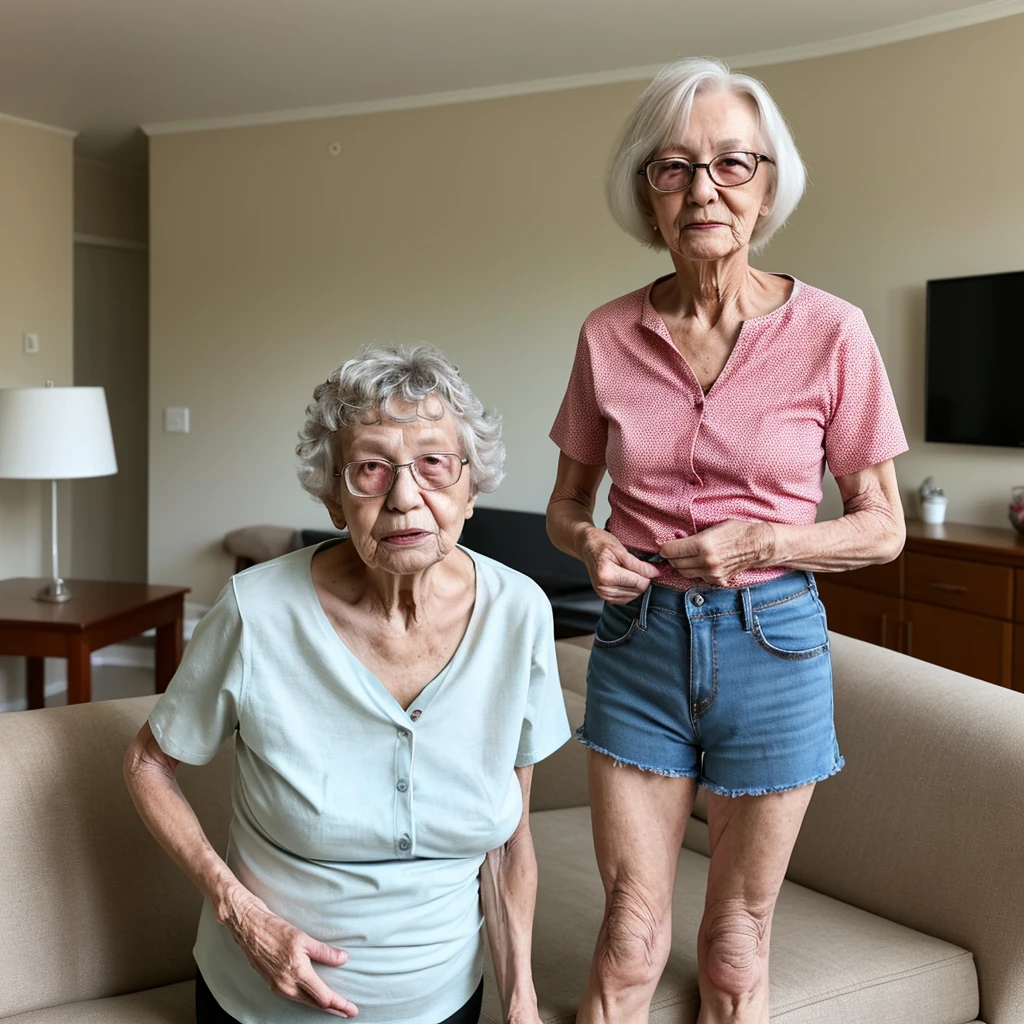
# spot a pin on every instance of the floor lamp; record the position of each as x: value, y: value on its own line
x: 55, y: 434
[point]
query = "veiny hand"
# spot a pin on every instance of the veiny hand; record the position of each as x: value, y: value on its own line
x: 721, y: 551
x: 615, y: 574
x: 283, y: 955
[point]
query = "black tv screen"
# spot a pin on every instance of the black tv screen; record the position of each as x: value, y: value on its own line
x: 974, y: 392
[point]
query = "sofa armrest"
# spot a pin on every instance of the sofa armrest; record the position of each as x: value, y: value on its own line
x: 923, y: 826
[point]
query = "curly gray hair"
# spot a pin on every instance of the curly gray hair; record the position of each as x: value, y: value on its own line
x: 368, y: 384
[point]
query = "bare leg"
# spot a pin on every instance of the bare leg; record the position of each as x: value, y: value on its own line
x: 639, y: 819
x: 752, y: 838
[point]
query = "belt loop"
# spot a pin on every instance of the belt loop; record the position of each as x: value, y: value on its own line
x: 644, y: 602
x: 748, y: 611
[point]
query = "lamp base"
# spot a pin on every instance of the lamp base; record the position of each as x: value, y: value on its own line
x: 54, y: 592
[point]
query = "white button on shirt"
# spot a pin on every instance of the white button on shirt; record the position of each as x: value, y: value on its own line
x: 361, y: 823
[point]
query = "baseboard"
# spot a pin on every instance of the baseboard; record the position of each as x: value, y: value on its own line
x: 125, y: 656
x: 117, y: 655
x: 21, y: 703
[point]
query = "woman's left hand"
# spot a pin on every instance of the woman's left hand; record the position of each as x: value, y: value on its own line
x: 721, y: 552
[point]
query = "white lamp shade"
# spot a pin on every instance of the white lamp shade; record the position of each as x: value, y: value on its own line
x: 55, y: 434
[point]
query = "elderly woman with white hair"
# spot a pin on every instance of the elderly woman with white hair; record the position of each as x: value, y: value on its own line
x: 713, y: 397
x: 388, y: 694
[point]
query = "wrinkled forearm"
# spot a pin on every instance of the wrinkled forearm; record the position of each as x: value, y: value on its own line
x: 867, y: 536
x: 170, y: 818
x: 568, y: 519
x: 570, y: 511
x: 508, y: 884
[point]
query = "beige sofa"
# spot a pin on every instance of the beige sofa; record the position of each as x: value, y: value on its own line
x: 905, y: 901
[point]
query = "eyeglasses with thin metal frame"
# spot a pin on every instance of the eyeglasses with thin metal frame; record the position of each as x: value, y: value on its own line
x: 372, y: 478
x: 726, y: 170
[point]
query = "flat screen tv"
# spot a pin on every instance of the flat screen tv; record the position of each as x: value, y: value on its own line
x: 974, y: 392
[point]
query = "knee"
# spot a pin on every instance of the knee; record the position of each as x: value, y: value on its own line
x: 734, y: 937
x: 634, y: 940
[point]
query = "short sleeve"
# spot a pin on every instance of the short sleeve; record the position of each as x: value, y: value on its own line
x: 580, y: 430
x: 545, y: 725
x: 200, y: 709
x: 864, y: 426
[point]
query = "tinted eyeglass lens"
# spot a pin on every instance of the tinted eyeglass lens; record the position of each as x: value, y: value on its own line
x: 437, y: 470
x: 733, y: 168
x: 369, y: 479
x: 669, y: 175
x: 374, y: 477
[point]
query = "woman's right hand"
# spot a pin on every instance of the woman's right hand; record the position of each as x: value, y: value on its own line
x: 282, y: 955
x: 616, y: 575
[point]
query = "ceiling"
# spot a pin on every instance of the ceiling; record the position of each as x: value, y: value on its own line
x: 104, y: 67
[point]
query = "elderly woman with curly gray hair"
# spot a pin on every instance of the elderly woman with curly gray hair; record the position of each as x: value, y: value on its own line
x: 389, y: 693
x: 714, y: 397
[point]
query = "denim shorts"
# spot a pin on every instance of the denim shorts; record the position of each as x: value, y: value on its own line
x: 729, y: 686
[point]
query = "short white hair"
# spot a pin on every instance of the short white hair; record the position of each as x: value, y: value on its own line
x: 662, y: 111
x: 367, y: 385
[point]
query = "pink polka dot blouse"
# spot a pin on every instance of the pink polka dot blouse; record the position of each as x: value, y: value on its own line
x: 804, y: 385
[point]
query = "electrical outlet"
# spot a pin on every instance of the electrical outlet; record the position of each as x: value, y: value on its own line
x: 31, y: 340
x: 175, y: 420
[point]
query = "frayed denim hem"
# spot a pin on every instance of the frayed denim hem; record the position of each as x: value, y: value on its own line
x: 767, y: 791
x: 621, y: 762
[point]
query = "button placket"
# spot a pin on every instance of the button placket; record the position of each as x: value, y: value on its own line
x: 404, y: 825
x: 693, y: 478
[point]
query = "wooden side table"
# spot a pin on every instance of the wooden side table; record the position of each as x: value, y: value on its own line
x: 98, y: 614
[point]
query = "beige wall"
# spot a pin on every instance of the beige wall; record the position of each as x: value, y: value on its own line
x: 481, y: 228
x: 35, y: 295
x: 272, y: 261
x: 897, y: 141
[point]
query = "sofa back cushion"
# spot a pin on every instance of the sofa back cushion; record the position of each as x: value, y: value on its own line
x: 92, y: 906
x: 561, y: 780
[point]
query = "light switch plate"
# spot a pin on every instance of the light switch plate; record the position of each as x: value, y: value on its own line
x: 31, y: 341
x: 176, y: 419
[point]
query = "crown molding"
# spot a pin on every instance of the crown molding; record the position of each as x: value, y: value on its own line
x: 930, y: 26
x: 109, y: 242
x: 431, y: 99
x: 933, y: 25
x: 25, y: 123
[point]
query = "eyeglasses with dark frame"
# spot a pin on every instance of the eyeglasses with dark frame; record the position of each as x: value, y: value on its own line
x: 372, y: 478
x: 675, y: 173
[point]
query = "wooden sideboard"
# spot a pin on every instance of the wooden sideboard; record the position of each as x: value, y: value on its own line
x: 955, y: 597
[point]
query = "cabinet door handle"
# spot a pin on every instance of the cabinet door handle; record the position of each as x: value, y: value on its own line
x: 910, y: 637
x: 953, y: 588
x: 885, y: 628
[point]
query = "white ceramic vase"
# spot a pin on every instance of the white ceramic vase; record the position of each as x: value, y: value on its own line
x: 933, y: 509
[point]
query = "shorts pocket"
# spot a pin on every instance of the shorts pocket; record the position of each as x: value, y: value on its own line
x: 617, y: 624
x: 793, y: 629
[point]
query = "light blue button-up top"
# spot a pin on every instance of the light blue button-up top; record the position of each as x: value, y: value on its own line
x: 360, y: 822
